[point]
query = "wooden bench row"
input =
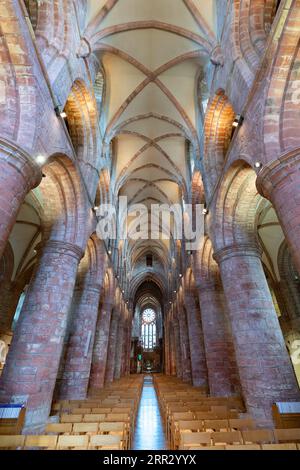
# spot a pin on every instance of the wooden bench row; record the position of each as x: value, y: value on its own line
x: 75, y: 442
x: 194, y: 440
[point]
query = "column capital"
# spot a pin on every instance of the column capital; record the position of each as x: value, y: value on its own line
x: 275, y: 172
x: 243, y: 249
x: 22, y: 162
x: 62, y: 248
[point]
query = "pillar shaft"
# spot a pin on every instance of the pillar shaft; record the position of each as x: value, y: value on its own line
x: 100, y: 351
x: 185, y: 346
x: 111, y: 352
x: 119, y: 348
x: 178, y: 356
x: 198, y: 359
x: 77, y: 365
x: 220, y: 355
x: 265, y: 369
x: 32, y: 364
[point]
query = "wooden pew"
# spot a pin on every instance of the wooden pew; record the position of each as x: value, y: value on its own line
x: 286, y: 415
x: 12, y: 417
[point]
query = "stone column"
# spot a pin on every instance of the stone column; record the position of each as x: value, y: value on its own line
x: 126, y: 347
x: 100, y: 351
x: 185, y: 345
x: 167, y: 348
x: 112, y: 345
x: 172, y: 354
x: 265, y: 370
x: 279, y: 181
x: 32, y: 364
x: 77, y: 365
x: 18, y: 175
x: 222, y: 369
x: 198, y: 359
x: 178, y: 356
x: 119, y: 346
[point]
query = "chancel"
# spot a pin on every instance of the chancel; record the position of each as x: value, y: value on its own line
x: 149, y: 225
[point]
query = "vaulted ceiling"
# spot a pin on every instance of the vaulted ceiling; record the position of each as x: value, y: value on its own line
x: 153, y: 53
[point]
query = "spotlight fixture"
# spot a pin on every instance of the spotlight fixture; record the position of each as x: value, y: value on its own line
x: 60, y: 113
x: 40, y: 159
x: 258, y: 165
x: 238, y: 121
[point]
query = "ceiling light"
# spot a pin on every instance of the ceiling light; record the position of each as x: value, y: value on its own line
x: 258, y: 164
x: 41, y: 159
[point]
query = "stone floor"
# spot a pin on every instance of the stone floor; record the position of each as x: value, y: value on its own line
x: 149, y: 432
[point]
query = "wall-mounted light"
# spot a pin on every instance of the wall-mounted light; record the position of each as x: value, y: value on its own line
x: 204, y: 211
x: 258, y: 165
x: 34, y: 252
x: 175, y: 291
x: 60, y: 113
x: 238, y: 121
x: 180, y: 275
x: 40, y: 159
x: 109, y: 252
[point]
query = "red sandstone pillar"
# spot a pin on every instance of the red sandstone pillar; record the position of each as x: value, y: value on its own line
x: 222, y: 369
x: 185, y: 345
x: 172, y: 354
x: 177, y: 348
x: 167, y: 348
x: 77, y: 366
x: 279, y: 181
x: 33, y: 360
x: 119, y: 346
x: 126, y: 347
x: 198, y: 359
x: 100, y: 351
x: 112, y: 345
x: 265, y: 370
x: 18, y: 175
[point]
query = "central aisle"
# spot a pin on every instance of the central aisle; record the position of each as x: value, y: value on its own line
x: 149, y: 432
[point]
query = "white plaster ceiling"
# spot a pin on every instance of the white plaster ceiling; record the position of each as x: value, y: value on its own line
x: 152, y: 52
